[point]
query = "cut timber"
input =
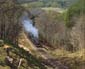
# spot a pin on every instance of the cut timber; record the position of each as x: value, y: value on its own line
x: 20, y: 62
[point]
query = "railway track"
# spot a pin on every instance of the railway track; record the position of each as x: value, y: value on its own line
x: 47, y: 59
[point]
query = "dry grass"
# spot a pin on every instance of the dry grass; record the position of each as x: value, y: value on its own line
x: 74, y: 60
x: 23, y: 40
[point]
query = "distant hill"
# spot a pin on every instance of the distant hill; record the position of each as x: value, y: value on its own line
x: 25, y: 1
x: 49, y: 3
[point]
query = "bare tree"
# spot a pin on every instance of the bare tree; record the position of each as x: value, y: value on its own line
x: 10, y: 25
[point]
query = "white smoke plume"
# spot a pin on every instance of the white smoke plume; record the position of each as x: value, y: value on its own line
x: 28, y: 25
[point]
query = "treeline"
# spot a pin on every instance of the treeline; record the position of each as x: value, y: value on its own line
x: 49, y: 3
x: 10, y: 25
x: 75, y: 10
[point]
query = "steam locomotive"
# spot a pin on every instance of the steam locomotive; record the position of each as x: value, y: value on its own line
x: 34, y: 39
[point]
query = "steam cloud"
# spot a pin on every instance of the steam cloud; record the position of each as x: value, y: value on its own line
x: 28, y: 25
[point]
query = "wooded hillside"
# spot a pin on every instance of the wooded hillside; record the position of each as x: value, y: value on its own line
x: 10, y: 25
x: 34, y: 38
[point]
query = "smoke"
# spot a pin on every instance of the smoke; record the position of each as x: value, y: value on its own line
x: 28, y: 25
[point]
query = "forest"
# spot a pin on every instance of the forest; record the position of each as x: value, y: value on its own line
x: 42, y: 34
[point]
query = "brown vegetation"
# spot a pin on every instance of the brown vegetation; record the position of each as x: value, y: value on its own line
x: 9, y: 21
x: 51, y: 28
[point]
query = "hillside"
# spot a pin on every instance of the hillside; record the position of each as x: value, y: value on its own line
x: 10, y: 52
x: 41, y: 34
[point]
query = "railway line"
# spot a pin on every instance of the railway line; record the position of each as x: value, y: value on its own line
x: 47, y: 59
